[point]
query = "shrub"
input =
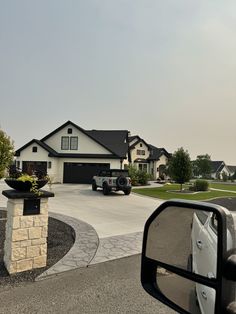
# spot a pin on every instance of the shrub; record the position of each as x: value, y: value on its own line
x: 200, y: 185
x: 138, y: 177
x: 143, y: 177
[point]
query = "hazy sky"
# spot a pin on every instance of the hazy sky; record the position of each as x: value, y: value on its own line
x: 165, y: 70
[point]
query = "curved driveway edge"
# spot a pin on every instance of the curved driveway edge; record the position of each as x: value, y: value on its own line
x: 82, y: 251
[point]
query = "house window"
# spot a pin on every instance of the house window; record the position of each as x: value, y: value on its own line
x: 142, y: 167
x: 140, y: 152
x: 141, y: 145
x: 65, y: 142
x: 34, y: 149
x: 73, y: 142
x: 18, y: 164
x: 69, y: 131
x: 49, y: 164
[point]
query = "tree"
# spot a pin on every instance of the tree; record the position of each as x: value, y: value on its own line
x: 6, y: 152
x: 180, y: 167
x: 202, y: 166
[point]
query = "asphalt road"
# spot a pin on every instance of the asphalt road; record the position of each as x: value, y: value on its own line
x: 111, y: 287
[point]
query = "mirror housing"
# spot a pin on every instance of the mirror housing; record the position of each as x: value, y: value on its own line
x: 222, y: 283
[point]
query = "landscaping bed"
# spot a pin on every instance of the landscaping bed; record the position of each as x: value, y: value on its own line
x: 60, y: 240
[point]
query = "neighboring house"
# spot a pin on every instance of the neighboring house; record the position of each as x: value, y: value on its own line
x: 147, y: 157
x: 232, y: 170
x: 218, y: 168
x: 71, y: 154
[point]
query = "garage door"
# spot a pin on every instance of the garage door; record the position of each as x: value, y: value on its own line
x: 81, y: 172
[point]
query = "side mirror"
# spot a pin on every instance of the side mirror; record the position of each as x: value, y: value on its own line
x: 188, y: 257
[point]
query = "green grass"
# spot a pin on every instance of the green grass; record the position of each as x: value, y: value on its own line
x: 163, y: 193
x: 222, y: 186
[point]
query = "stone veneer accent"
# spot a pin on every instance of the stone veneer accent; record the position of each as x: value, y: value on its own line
x: 25, y: 246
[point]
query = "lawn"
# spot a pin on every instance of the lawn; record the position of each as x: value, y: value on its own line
x: 222, y: 186
x: 170, y: 191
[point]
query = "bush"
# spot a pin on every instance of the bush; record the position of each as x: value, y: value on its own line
x: 138, y: 177
x: 200, y: 185
x: 143, y: 177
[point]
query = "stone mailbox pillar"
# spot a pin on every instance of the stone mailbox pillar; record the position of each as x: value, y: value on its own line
x: 25, y: 246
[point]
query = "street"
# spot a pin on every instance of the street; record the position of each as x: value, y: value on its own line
x: 111, y: 287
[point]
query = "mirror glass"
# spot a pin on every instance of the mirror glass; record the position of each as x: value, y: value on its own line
x: 192, y: 297
x: 185, y: 238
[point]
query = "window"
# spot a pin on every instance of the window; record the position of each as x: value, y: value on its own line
x: 140, y: 152
x: 49, y: 164
x: 69, y: 131
x: 73, y: 142
x: 65, y: 142
x: 17, y: 164
x: 34, y: 149
x: 214, y: 223
x: 142, y: 167
x: 202, y: 216
x: 141, y: 145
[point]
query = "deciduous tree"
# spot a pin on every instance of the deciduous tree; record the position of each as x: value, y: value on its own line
x: 180, y: 167
x: 6, y: 152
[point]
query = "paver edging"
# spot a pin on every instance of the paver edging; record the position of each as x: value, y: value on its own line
x: 82, y: 252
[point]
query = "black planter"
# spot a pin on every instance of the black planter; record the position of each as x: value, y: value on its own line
x: 24, y: 186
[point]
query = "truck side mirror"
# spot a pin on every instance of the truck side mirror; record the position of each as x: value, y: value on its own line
x: 184, y: 257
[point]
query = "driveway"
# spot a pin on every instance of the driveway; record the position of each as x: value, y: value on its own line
x: 111, y: 215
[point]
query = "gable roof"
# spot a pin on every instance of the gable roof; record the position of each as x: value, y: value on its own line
x: 138, y: 140
x: 43, y: 145
x: 156, y: 153
x: 232, y: 169
x: 217, y: 165
x: 115, y: 141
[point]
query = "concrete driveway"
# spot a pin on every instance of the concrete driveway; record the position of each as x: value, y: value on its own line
x: 112, y: 215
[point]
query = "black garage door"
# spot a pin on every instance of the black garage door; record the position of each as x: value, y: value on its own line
x: 81, y: 172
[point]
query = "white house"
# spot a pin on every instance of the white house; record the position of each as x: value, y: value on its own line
x: 147, y: 157
x: 71, y: 154
x: 218, y: 168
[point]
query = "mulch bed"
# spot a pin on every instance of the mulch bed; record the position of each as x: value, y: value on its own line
x: 60, y: 240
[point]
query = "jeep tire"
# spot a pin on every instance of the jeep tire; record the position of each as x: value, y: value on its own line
x: 127, y: 191
x: 105, y: 189
x: 94, y: 186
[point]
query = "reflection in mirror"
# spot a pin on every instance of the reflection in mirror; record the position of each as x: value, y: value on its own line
x: 185, y: 238
x: 192, y: 297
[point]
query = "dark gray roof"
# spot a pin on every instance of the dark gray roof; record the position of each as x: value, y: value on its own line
x: 232, y: 169
x: 217, y: 165
x: 155, y: 152
x: 115, y: 141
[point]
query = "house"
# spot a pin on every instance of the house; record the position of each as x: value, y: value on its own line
x: 232, y: 170
x: 70, y: 154
x: 218, y: 168
x: 147, y: 157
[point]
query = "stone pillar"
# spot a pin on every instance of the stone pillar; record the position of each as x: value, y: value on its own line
x: 25, y: 246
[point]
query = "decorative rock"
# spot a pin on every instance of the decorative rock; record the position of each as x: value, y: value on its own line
x: 18, y: 254
x: 33, y: 251
x: 26, y: 221
x: 23, y: 265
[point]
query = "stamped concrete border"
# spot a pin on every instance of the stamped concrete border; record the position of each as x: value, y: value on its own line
x: 81, y: 253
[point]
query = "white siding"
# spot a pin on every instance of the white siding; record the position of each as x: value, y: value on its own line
x: 86, y: 145
x: 134, y: 154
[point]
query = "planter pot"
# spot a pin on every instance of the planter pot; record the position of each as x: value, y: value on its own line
x: 24, y: 186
